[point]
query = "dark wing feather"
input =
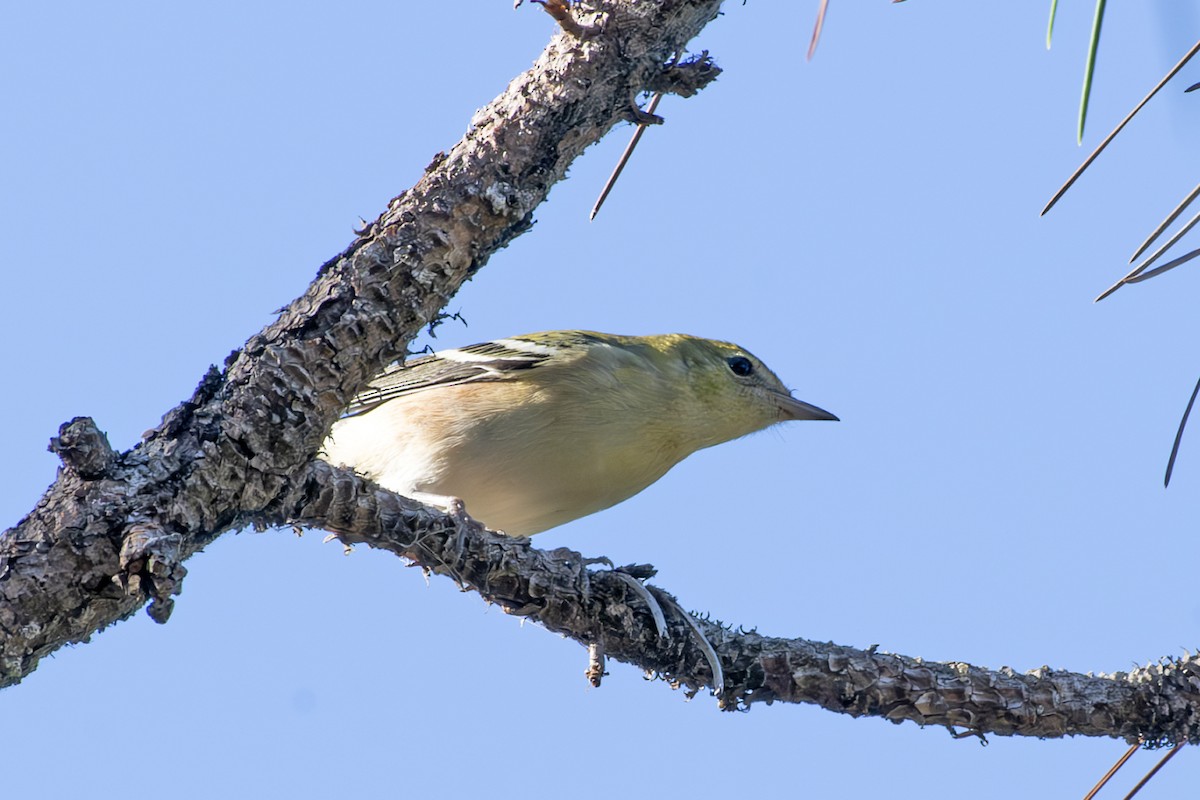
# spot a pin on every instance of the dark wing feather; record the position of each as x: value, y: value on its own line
x: 488, y: 361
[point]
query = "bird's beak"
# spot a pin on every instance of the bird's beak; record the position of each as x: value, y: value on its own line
x: 790, y: 408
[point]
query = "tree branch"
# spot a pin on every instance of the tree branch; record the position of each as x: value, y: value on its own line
x: 1154, y: 704
x: 113, y: 531
x: 75, y: 564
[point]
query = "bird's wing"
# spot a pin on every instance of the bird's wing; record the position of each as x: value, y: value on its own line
x: 501, y: 360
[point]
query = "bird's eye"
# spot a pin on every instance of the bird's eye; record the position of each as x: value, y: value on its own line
x: 740, y: 365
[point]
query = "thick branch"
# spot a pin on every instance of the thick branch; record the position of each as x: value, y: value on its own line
x: 76, y: 564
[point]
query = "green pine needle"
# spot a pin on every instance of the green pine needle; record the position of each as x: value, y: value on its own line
x: 1093, y: 46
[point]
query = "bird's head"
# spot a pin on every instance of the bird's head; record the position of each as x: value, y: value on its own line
x: 733, y: 390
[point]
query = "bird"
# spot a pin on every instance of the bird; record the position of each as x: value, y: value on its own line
x: 529, y: 432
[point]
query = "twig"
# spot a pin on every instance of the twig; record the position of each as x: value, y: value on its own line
x: 1132, y: 275
x: 1170, y: 265
x: 596, y: 664
x: 1179, y: 435
x: 616, y: 173
x: 816, y: 36
x: 1112, y: 771
x: 1165, y: 223
x: 1087, y: 162
x: 1162, y: 763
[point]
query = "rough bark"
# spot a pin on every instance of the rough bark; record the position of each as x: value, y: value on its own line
x: 113, y: 530
x: 112, y: 533
x: 1155, y: 704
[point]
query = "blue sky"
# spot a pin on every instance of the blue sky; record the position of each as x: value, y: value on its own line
x: 866, y: 223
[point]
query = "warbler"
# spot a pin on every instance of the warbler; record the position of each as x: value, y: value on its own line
x: 533, y: 431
